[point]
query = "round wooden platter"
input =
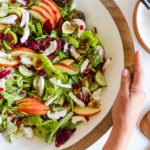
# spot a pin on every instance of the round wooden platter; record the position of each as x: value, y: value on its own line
x: 129, y: 58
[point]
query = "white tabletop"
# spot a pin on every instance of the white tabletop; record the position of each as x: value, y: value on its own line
x: 138, y: 141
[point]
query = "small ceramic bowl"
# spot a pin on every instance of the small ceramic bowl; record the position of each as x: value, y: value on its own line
x: 141, y: 25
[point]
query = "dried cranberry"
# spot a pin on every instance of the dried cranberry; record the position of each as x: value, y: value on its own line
x: 13, y: 1
x: 102, y: 65
x: 1, y: 96
x: 63, y: 135
x: 10, y: 114
x: 18, y: 20
x: 17, y: 46
x: 1, y: 89
x: 13, y: 120
x: 90, y: 75
x: 87, y: 118
x: 12, y: 45
x: 10, y: 26
x: 75, y: 86
x: 21, y: 93
x: 95, y: 30
x: 51, y: 57
x: 19, y: 58
x: 5, y: 36
x: 74, y: 15
x: 88, y: 71
x: 81, y: 27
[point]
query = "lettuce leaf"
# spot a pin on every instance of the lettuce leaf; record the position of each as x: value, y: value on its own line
x: 49, y: 67
x: 92, y: 39
x: 33, y: 120
x: 61, y: 123
x: 74, y: 42
x: 70, y: 101
x: 12, y: 97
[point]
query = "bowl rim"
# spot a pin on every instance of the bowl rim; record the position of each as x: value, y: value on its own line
x: 136, y: 30
x: 129, y: 63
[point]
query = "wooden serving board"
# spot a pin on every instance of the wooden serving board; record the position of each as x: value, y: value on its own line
x: 129, y: 57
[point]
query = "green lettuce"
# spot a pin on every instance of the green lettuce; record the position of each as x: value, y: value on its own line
x: 61, y: 124
x: 92, y: 39
x: 12, y: 97
x: 33, y: 120
x: 49, y: 67
x: 95, y: 60
x: 73, y: 41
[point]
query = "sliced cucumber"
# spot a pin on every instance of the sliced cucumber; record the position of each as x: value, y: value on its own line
x: 94, y: 86
x: 6, y: 46
x: 25, y: 71
x: 4, y: 10
x: 5, y: 30
x: 100, y: 79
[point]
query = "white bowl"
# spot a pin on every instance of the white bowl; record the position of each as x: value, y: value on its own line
x: 98, y: 16
x: 141, y: 24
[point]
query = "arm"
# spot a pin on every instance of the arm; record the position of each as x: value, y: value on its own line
x: 127, y: 107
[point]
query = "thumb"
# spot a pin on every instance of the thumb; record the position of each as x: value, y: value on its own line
x: 125, y: 82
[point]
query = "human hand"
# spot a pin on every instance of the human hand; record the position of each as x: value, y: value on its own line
x: 131, y: 97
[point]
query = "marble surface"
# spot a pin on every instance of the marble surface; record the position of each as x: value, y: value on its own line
x: 138, y: 141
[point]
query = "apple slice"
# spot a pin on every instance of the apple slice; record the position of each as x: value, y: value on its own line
x: 55, y: 8
x: 48, y: 7
x: 8, y: 62
x: 46, y: 13
x: 67, y: 61
x: 64, y: 68
x: 86, y: 111
x: 22, y: 51
x: 38, y: 15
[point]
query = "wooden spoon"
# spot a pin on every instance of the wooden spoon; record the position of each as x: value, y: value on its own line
x: 145, y: 125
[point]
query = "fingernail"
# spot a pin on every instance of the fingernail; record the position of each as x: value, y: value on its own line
x: 140, y: 53
x: 125, y: 72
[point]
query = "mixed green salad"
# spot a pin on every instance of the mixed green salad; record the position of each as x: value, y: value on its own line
x: 51, y: 69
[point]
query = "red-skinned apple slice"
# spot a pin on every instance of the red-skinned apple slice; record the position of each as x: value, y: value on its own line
x: 64, y: 68
x: 8, y: 62
x: 46, y: 13
x: 22, y: 51
x: 48, y: 7
x: 32, y: 106
x: 86, y: 111
x: 55, y: 8
x: 38, y: 15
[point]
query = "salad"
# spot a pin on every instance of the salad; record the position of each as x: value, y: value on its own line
x: 51, y: 69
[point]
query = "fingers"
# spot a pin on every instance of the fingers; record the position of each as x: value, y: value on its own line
x: 125, y: 82
x: 139, y: 72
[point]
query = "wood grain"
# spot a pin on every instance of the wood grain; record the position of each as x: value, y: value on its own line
x: 129, y: 57
x: 136, y: 30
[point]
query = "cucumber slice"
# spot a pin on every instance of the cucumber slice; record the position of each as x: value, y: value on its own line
x: 100, y: 79
x: 5, y: 30
x: 4, y: 10
x: 25, y: 71
x: 6, y: 46
x: 94, y: 86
